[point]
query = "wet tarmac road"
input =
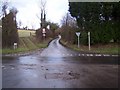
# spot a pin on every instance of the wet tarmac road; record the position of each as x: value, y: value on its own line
x: 59, y: 67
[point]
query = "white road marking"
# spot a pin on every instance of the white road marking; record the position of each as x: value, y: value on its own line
x: 106, y: 55
x: 87, y: 54
x: 97, y: 54
x: 2, y: 66
x: 79, y: 55
x: 63, y: 54
x: 91, y: 54
x: 12, y: 68
x: 68, y: 54
x: 83, y: 55
x: 115, y: 55
x: 8, y: 55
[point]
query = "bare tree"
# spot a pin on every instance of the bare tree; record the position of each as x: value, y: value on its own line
x: 68, y: 28
x: 42, y: 16
x: 19, y: 24
x: 68, y: 20
x: 9, y: 29
x: 40, y: 34
x: 14, y: 11
x: 4, y: 8
x: 43, y: 4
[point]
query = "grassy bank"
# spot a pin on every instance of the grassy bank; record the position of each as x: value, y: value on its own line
x: 27, y: 43
x: 26, y: 33
x: 111, y: 48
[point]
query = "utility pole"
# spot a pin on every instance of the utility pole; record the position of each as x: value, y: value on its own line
x: 78, y: 34
x: 89, y: 39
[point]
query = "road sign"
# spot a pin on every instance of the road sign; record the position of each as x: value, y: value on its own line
x: 78, y: 34
x: 43, y: 30
x: 15, y: 44
x: 48, y: 27
x: 44, y: 35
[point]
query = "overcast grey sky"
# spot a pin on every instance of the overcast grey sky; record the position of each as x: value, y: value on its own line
x: 28, y: 9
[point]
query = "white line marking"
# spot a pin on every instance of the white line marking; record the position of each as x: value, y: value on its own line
x: 83, y: 55
x: 2, y: 66
x: 106, y: 55
x: 79, y: 55
x: 87, y: 54
x: 115, y: 55
x: 91, y: 54
x: 97, y: 54
x: 12, y: 68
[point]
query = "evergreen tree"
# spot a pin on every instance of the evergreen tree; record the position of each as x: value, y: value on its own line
x: 9, y: 30
x: 101, y: 19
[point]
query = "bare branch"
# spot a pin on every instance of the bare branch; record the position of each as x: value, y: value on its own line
x: 4, y: 7
x: 42, y: 4
x: 68, y: 20
x: 38, y: 17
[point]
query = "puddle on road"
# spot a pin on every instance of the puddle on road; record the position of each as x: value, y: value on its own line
x: 64, y: 76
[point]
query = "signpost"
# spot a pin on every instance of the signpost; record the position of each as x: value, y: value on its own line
x: 44, y: 33
x: 15, y: 46
x: 78, y: 34
x: 48, y: 27
x: 89, y: 39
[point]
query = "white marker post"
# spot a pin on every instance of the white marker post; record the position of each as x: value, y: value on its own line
x: 89, y: 39
x: 15, y: 46
x: 78, y: 34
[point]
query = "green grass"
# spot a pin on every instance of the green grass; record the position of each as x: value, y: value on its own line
x: 9, y: 51
x: 111, y: 48
x: 25, y: 33
x: 107, y: 50
x: 27, y: 43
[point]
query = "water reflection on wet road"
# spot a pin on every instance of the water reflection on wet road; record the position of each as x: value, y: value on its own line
x: 57, y: 67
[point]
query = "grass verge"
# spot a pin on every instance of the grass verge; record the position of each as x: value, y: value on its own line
x: 27, y: 44
x: 26, y: 33
x: 111, y: 48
